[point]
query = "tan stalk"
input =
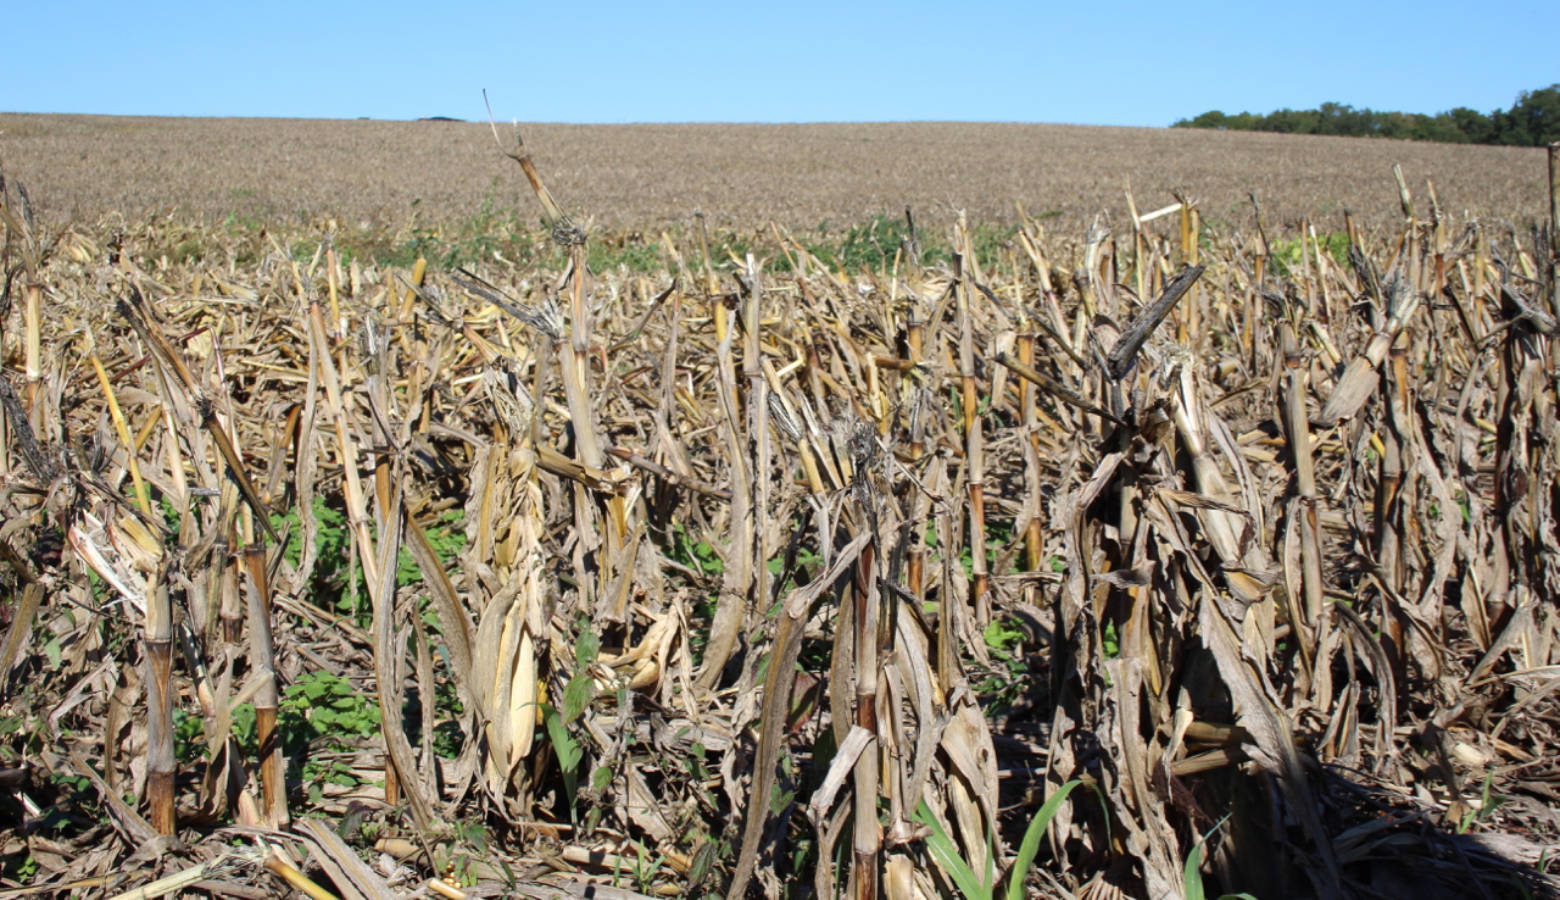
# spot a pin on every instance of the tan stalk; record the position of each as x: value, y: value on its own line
x: 236, y: 468
x: 1359, y: 378
x: 1191, y: 327
x: 1223, y: 521
x: 1389, y: 483
x: 346, y: 447
x: 160, y: 762
x: 419, y: 272
x: 279, y: 866
x: 378, y: 568
x: 918, y: 401
x: 1297, y: 433
x: 142, y: 498
x: 779, y: 684
x: 1139, y: 245
x: 388, y: 665
x: 1554, y: 227
x: 32, y: 343
x: 1260, y: 265
x: 1034, y: 538
x: 737, y: 583
x: 1404, y: 199
x: 867, y: 839
x: 1321, y: 266
x: 974, y: 447
x: 573, y: 360
x: 1308, y: 280
x: 757, y: 399
x: 262, y: 660
x: 17, y: 634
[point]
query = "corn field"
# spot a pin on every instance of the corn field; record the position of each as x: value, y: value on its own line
x: 1146, y: 562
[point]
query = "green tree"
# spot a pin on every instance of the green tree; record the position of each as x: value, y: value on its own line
x: 1394, y: 125
x: 1508, y: 129
x: 1343, y: 119
x: 1474, y: 126
x: 1533, y: 120
x: 1536, y: 116
x: 1293, y: 121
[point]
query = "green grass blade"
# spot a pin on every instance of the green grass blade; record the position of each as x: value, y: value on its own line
x: 1191, y: 876
x: 942, y: 848
x: 1030, y: 846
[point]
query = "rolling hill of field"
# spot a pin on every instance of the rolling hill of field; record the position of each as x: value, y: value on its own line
x: 625, y: 176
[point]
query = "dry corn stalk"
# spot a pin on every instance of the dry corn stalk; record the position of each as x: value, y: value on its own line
x: 1176, y: 671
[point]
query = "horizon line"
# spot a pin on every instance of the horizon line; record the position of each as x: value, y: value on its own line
x: 456, y: 120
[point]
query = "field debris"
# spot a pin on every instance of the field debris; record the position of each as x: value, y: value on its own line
x: 766, y: 571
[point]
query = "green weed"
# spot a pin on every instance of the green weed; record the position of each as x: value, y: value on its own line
x: 983, y: 887
x: 324, y: 705
x: 577, y: 695
x: 1010, y: 680
x: 695, y: 553
x: 1288, y: 254
x: 1191, y: 873
x: 1488, y: 803
x: 337, y: 584
x: 319, y: 714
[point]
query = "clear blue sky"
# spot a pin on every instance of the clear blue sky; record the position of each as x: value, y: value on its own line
x: 1122, y: 63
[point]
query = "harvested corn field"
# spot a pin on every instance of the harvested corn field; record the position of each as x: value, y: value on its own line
x: 940, y: 560
x: 384, y: 175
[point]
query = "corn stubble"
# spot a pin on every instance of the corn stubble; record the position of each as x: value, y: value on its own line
x: 1280, y: 534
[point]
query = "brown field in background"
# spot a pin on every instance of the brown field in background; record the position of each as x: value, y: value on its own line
x: 621, y: 176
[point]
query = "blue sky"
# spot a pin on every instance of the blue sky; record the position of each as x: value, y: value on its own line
x: 1126, y: 63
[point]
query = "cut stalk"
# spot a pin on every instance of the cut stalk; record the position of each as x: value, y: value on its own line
x: 973, y: 445
x: 1405, y: 200
x: 378, y: 566
x: 582, y: 412
x: 262, y: 660
x: 32, y: 339
x: 736, y: 584
x: 1190, y: 224
x: 867, y: 834
x: 1297, y: 432
x: 1554, y: 227
x: 915, y: 566
x: 1034, y: 541
x: 160, y: 763
x: 915, y: 573
x: 142, y: 498
x: 757, y: 428
x: 1125, y: 350
x: 1139, y: 245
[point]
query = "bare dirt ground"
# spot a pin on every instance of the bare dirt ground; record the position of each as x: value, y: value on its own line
x: 384, y: 173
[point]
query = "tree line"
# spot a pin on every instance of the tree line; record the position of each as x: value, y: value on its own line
x: 1532, y: 121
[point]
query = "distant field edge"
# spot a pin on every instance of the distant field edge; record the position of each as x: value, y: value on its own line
x: 621, y: 176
